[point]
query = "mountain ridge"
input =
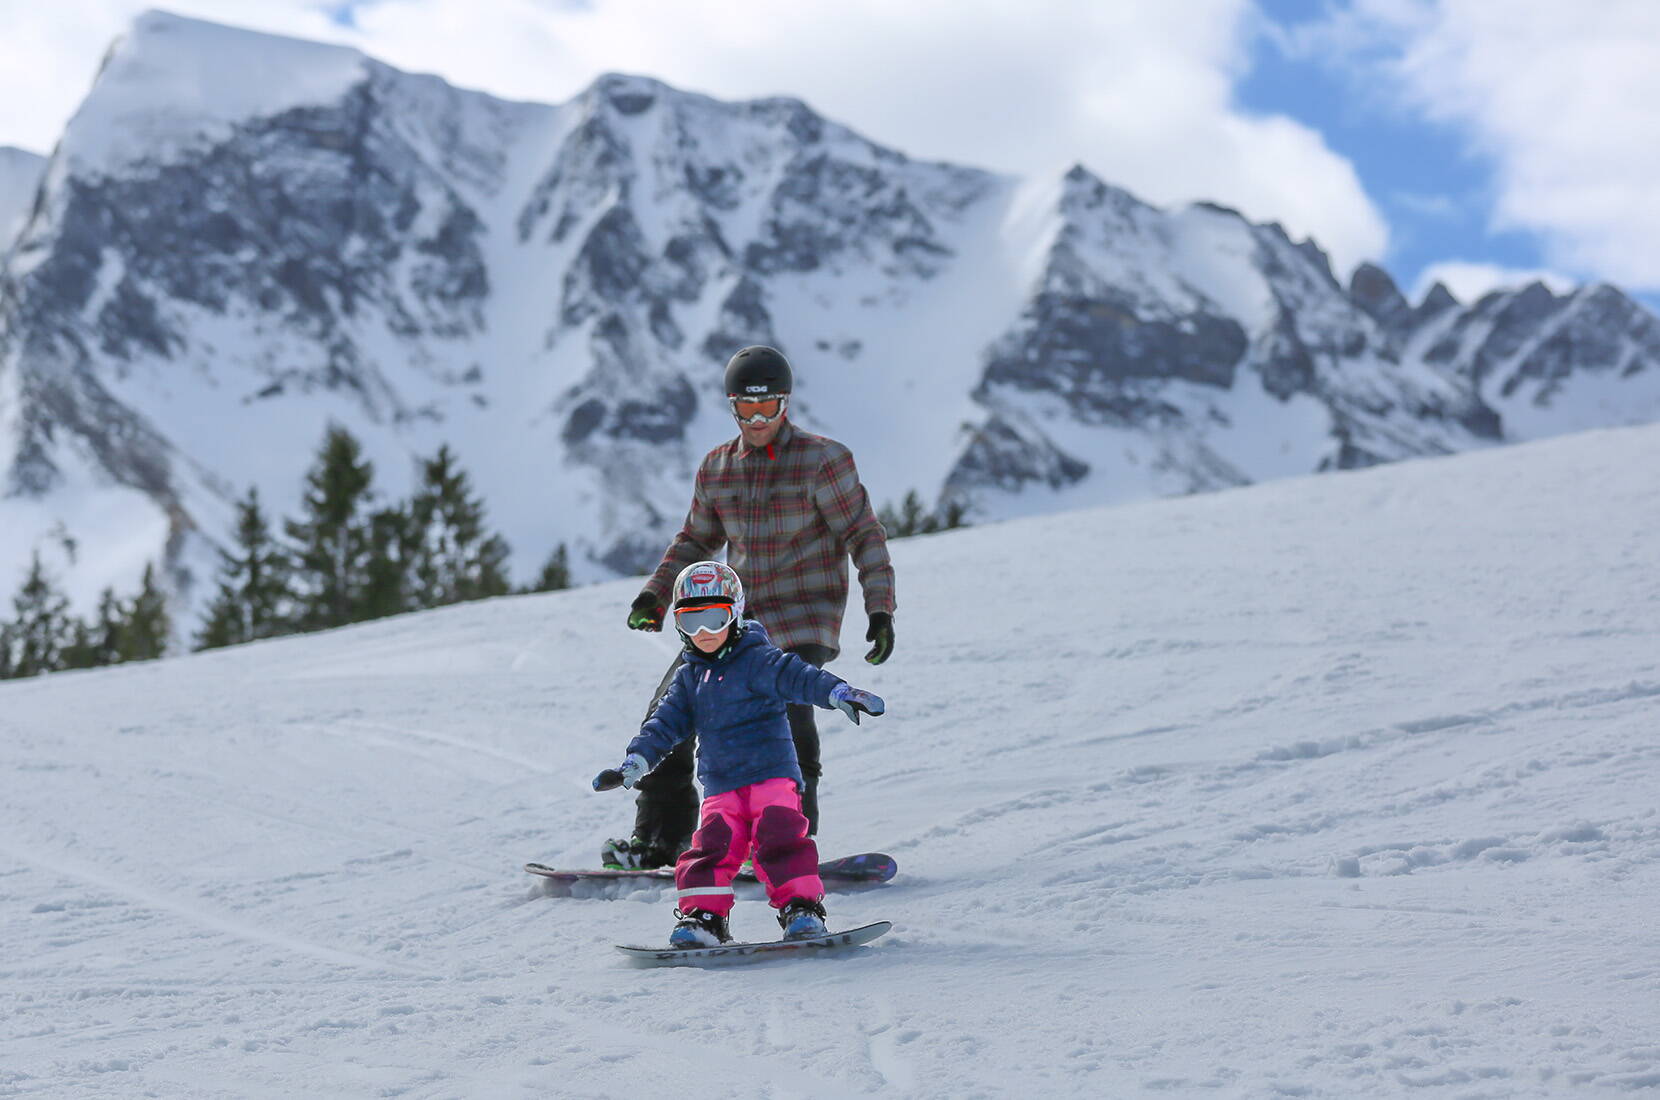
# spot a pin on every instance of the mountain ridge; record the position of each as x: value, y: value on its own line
x: 552, y: 290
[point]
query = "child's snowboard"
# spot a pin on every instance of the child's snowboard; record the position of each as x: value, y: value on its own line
x: 728, y: 953
x: 846, y: 873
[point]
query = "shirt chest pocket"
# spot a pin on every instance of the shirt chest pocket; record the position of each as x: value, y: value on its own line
x: 731, y: 507
x: 789, y: 511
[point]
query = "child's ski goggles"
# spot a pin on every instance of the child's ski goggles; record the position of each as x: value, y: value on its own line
x: 758, y: 410
x: 711, y: 617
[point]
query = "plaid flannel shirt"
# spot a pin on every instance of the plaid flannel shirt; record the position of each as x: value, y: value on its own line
x: 791, y: 514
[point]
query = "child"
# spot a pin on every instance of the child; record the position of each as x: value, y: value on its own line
x: 731, y: 691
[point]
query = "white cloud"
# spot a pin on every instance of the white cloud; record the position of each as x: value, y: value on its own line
x: 1561, y: 96
x: 1140, y: 93
x: 1469, y: 280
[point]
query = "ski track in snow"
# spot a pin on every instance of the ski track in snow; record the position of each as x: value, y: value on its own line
x: 1332, y: 787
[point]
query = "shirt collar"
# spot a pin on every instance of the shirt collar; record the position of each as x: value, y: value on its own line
x: 779, y: 441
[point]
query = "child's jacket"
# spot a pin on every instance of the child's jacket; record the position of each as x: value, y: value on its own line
x: 735, y: 706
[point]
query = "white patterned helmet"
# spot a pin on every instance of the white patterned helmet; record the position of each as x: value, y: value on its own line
x: 707, y: 596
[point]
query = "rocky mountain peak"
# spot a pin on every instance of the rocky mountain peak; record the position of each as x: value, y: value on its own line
x: 625, y: 94
x: 1084, y: 195
x: 1437, y: 300
x: 1372, y: 289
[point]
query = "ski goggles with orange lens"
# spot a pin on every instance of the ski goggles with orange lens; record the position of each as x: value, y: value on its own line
x: 763, y: 409
x: 711, y: 617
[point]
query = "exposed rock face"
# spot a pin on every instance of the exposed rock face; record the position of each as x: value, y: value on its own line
x: 1183, y: 331
x: 203, y: 286
x: 1371, y: 288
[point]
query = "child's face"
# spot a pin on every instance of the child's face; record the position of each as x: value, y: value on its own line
x: 707, y: 642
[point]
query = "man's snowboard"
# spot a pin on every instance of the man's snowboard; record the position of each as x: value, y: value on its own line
x: 728, y: 953
x: 839, y: 875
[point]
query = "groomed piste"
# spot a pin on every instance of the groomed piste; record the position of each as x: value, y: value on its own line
x: 1334, y: 786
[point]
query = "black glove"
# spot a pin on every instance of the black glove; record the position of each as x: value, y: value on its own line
x: 645, y: 613
x: 880, y: 632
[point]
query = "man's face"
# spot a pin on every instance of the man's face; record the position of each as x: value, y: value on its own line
x: 759, y: 416
x: 757, y: 436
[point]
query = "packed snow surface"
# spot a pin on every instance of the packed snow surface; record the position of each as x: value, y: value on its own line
x: 1332, y: 786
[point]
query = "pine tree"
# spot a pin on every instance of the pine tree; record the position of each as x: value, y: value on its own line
x: 912, y: 519
x: 556, y: 572
x: 889, y: 519
x: 146, y: 627
x: 81, y: 652
x: 97, y: 643
x: 455, y: 559
x: 956, y: 515
x: 909, y: 520
x: 253, y: 584
x: 920, y: 520
x: 106, y: 633
x: 386, y: 586
x: 489, y: 576
x: 223, y: 624
x: 42, y: 628
x: 332, y: 538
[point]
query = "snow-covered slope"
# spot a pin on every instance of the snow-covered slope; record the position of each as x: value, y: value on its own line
x: 1334, y: 786
x: 20, y: 173
x: 552, y: 291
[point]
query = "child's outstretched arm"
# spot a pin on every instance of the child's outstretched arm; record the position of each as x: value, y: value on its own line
x: 669, y: 724
x: 796, y: 681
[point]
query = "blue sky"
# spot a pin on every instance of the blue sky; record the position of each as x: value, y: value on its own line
x: 344, y: 14
x: 1435, y: 192
x: 1439, y: 174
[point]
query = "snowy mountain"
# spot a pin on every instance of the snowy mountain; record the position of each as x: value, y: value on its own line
x: 1335, y: 786
x: 246, y: 238
x: 20, y: 173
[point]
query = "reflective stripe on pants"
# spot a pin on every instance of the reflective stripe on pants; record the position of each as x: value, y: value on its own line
x: 766, y: 816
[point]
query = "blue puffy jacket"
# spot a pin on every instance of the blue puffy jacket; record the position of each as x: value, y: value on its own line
x: 735, y: 705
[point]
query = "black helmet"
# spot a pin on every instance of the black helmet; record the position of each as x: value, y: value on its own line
x: 758, y: 370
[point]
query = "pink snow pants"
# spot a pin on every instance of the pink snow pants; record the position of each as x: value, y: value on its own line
x: 766, y: 815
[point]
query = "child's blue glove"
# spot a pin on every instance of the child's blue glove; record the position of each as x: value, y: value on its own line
x: 626, y: 774
x: 851, y: 701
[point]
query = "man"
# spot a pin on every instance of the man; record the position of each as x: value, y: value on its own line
x: 790, y: 509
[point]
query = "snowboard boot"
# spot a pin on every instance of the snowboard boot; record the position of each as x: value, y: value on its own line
x: 634, y: 854
x: 698, y: 928
x: 801, y: 919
